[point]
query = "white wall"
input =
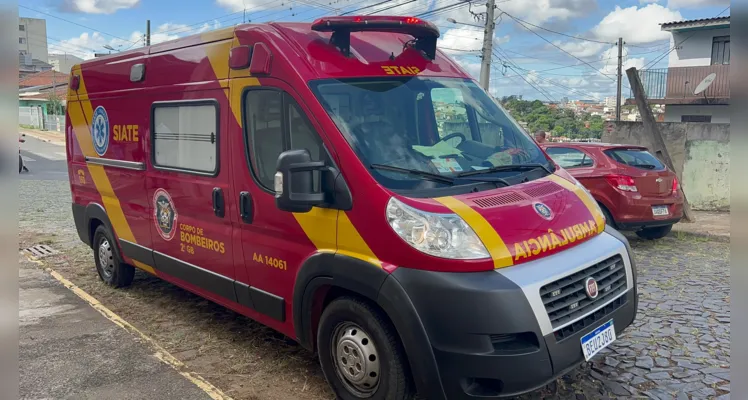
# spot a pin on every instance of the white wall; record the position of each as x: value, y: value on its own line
x: 34, y: 36
x: 697, y: 50
x: 720, y: 114
x: 63, y: 62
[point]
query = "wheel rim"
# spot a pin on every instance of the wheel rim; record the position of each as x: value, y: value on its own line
x: 356, y: 359
x: 106, y: 259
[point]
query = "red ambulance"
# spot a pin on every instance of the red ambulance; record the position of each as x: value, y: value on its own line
x: 349, y: 185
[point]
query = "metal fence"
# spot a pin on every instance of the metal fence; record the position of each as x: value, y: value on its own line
x: 681, y: 82
x: 31, y: 116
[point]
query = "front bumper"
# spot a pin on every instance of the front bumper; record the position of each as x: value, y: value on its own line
x: 490, y: 333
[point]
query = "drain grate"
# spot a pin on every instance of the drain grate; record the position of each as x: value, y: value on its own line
x: 40, y: 250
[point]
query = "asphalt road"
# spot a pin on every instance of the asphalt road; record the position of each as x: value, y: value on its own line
x: 45, y: 161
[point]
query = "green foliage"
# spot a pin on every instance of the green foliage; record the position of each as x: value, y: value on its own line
x: 54, y: 107
x: 562, y: 122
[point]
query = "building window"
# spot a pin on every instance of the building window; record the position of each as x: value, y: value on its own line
x: 721, y: 50
x: 695, y: 118
x: 21, y: 28
x: 21, y: 40
x: 185, y: 136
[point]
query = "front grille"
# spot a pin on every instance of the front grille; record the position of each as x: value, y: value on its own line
x: 499, y: 200
x: 566, y: 299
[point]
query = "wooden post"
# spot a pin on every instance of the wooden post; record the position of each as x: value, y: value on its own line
x: 650, y: 128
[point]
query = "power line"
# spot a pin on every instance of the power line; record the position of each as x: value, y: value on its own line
x: 75, y: 23
x: 443, y: 9
x: 556, y: 46
x: 364, y: 8
x: 556, y: 32
x: 390, y: 7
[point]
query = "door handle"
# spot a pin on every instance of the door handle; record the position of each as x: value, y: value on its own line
x: 218, y: 203
x: 245, y: 207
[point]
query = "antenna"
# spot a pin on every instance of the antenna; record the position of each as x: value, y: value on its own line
x: 701, y: 87
x: 705, y: 83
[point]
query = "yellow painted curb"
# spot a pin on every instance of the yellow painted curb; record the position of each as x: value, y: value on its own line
x: 161, y: 353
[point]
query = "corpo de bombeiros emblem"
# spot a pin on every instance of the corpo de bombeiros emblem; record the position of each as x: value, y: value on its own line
x: 100, y: 131
x: 164, y: 214
x: 543, y: 210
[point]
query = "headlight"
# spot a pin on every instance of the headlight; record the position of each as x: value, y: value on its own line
x: 440, y: 235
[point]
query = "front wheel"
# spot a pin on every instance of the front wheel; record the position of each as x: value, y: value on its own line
x: 654, y: 233
x: 360, y: 352
x: 20, y: 164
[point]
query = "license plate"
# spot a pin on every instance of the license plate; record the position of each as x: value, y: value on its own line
x: 660, y: 210
x: 598, y: 339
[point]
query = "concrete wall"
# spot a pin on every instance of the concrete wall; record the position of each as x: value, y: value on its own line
x: 697, y: 50
x: 34, y: 35
x: 720, y: 113
x: 700, y: 154
x: 63, y: 62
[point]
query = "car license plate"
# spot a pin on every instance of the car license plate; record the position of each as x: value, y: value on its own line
x: 660, y: 210
x: 598, y: 339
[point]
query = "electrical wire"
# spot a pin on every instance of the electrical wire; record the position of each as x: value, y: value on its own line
x: 74, y: 23
x: 556, y: 32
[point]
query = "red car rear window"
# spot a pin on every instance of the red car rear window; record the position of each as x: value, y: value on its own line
x: 636, y: 158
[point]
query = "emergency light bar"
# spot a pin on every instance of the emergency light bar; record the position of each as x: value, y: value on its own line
x: 425, y: 33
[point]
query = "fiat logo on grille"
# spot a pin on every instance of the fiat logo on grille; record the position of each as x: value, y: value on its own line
x: 590, y: 286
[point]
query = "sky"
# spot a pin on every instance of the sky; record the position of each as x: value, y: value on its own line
x: 543, y: 49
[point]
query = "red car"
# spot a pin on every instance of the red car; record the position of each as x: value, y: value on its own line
x: 635, y: 190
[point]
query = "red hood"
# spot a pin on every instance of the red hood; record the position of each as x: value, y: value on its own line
x: 510, y: 221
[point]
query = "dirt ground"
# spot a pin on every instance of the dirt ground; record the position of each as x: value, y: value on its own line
x: 241, y: 357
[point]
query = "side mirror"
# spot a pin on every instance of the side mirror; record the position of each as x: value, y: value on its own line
x: 294, y: 181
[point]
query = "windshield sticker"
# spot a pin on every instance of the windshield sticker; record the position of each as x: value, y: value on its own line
x: 440, y: 149
x: 447, y: 165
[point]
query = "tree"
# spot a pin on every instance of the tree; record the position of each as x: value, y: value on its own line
x: 55, y: 106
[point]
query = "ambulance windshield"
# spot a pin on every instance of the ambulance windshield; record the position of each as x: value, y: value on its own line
x: 427, y: 132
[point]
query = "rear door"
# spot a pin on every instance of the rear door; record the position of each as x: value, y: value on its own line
x: 651, y: 177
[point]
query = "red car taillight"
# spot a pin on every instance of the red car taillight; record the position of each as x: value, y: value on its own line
x: 622, y: 182
x: 675, y: 186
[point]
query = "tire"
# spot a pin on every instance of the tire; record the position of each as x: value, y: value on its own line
x: 113, y: 272
x: 353, y: 332
x: 20, y: 163
x: 654, y: 233
x: 608, y: 218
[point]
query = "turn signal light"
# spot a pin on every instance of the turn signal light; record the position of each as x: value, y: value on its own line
x: 622, y: 182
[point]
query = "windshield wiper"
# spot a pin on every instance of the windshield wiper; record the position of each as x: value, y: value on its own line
x: 417, y: 172
x: 486, y: 179
x: 500, y: 168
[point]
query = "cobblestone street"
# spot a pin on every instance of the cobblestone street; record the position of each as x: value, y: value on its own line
x: 678, y: 347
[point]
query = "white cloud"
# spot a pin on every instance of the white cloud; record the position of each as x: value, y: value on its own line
x: 636, y: 25
x: 696, y: 3
x: 535, y: 12
x: 459, y: 40
x: 581, y: 49
x: 85, y: 45
x: 97, y: 6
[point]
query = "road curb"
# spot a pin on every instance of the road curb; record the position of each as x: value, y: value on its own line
x: 707, y: 235
x: 44, y: 137
x: 160, y: 353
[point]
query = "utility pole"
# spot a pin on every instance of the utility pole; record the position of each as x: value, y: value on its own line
x: 485, y: 67
x: 148, y: 32
x: 654, y: 136
x: 620, y: 77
